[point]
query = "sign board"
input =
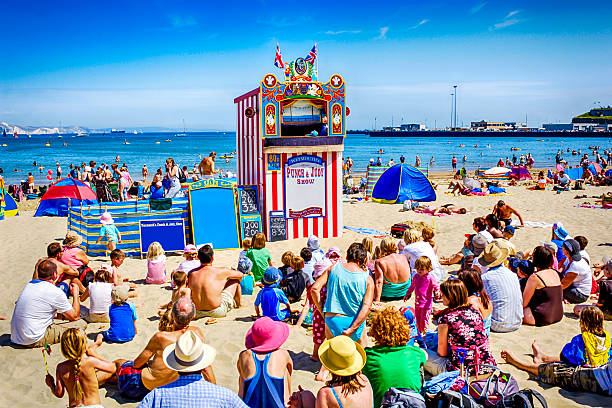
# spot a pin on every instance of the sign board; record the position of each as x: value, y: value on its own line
x: 250, y: 225
x: 214, y: 214
x: 274, y: 161
x: 247, y: 200
x: 278, y: 226
x: 305, y: 187
x: 169, y: 233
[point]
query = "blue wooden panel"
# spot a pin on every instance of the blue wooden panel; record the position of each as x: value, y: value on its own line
x: 214, y: 216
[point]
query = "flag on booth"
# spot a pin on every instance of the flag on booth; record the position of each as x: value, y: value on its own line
x: 278, y: 61
x: 312, y: 55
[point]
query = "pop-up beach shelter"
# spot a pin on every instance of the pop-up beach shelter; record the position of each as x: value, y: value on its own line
x: 11, y: 209
x: 61, y: 195
x: 400, y: 183
x: 520, y: 173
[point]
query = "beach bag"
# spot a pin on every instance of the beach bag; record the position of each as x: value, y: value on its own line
x: 160, y: 204
x: 402, y: 398
x: 397, y: 230
x: 246, y: 284
x: 86, y: 275
x: 452, y: 399
x: 491, y: 390
x: 522, y: 399
x: 181, y: 176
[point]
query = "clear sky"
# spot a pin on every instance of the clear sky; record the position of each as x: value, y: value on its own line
x: 152, y: 63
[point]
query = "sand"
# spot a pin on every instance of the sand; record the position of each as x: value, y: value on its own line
x: 23, y: 240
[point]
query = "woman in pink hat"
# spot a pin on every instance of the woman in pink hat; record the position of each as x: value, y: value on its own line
x: 110, y: 231
x: 265, y: 369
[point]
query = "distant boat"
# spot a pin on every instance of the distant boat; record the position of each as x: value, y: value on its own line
x: 156, y: 142
x: 135, y: 132
x: 59, y: 136
x: 168, y: 140
x: 3, y: 132
x: 15, y: 135
x: 81, y: 134
x: 184, y: 130
x: 125, y: 142
x: 47, y: 144
x: 117, y: 131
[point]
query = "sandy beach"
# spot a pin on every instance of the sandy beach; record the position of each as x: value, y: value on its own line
x: 23, y: 240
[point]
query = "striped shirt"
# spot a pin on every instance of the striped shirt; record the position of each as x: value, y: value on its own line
x: 502, y: 286
x: 191, y: 391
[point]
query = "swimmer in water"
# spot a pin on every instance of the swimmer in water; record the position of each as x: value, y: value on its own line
x: 117, y: 159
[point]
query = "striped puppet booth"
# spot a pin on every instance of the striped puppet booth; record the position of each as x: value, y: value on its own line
x: 290, y: 138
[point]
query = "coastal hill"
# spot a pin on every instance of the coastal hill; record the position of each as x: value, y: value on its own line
x: 32, y: 130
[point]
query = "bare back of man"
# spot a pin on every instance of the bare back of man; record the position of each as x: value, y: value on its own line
x: 207, y: 166
x: 391, y: 269
x: 214, y: 290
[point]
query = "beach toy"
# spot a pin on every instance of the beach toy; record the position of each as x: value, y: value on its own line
x: 212, y: 320
x: 47, y: 349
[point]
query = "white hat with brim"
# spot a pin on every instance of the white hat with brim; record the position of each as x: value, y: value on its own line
x: 189, y: 354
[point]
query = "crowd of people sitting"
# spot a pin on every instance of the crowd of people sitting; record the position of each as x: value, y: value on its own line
x: 341, y: 295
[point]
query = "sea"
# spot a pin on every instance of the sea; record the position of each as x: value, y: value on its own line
x: 18, y: 156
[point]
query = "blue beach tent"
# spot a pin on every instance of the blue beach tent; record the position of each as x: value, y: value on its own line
x: 400, y: 183
x: 11, y: 208
x: 61, y: 195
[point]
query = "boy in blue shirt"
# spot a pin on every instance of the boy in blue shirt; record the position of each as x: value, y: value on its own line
x: 270, y: 297
x: 122, y: 317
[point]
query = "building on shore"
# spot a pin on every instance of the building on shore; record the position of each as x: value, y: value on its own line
x: 406, y: 127
x: 595, y: 120
x: 484, y: 125
x: 560, y: 127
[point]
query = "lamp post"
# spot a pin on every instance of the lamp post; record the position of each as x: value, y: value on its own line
x: 451, y: 116
x: 455, y: 92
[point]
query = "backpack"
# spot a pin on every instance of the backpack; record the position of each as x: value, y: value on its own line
x: 293, y: 285
x: 86, y: 275
x: 522, y: 399
x: 397, y: 230
x: 402, y: 398
x: 182, y: 176
x: 453, y: 399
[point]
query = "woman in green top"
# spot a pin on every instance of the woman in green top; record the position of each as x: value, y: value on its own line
x: 391, y: 363
x: 391, y: 273
x: 259, y: 255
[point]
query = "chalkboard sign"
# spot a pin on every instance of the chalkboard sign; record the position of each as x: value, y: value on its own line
x: 278, y: 226
x: 248, y: 200
x: 250, y: 227
x: 169, y: 233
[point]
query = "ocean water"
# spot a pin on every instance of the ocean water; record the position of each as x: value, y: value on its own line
x: 186, y: 150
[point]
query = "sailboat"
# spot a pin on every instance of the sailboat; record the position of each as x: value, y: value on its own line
x: 184, y: 130
x: 3, y: 132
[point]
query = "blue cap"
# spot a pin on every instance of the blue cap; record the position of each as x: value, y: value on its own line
x: 509, y: 229
x: 271, y: 276
x: 245, y: 264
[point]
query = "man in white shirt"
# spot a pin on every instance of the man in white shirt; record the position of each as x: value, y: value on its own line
x: 32, y: 322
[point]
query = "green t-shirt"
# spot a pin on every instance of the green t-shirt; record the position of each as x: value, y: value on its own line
x: 398, y: 367
x: 260, y: 258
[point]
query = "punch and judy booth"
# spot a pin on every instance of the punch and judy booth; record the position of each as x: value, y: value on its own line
x: 289, y: 138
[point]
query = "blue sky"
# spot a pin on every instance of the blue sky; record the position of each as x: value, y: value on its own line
x: 152, y: 63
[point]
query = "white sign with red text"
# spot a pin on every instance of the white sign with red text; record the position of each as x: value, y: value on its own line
x: 305, y: 187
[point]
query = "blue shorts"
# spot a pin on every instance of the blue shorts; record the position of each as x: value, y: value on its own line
x: 129, y: 382
x: 338, y: 324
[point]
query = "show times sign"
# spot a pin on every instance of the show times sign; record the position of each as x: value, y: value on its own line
x: 305, y: 187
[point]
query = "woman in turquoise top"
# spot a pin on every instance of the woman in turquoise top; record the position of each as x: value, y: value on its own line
x: 391, y: 273
x: 350, y: 291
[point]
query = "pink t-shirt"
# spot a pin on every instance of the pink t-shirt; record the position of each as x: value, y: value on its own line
x: 424, y: 287
x: 156, y: 270
x: 69, y: 257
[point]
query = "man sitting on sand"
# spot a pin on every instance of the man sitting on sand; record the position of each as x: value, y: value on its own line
x: 207, y: 166
x: 149, y: 365
x: 504, y: 212
x: 66, y: 274
x: 214, y: 290
x: 32, y: 322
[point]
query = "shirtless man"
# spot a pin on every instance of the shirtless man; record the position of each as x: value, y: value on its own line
x: 391, y: 273
x: 145, y: 173
x: 207, y: 166
x: 214, y: 290
x: 155, y: 373
x: 66, y: 274
x: 504, y: 212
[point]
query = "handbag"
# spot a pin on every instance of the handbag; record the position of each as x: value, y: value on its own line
x: 494, y: 388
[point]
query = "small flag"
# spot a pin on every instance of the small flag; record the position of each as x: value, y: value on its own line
x: 312, y: 55
x: 278, y: 61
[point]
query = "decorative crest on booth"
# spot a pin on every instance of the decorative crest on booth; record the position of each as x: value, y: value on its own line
x: 210, y: 183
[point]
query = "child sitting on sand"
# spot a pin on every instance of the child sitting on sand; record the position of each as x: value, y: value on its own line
x: 286, y: 260
x: 246, y: 245
x: 308, y: 268
x: 77, y: 375
x: 122, y: 317
x: 180, y: 289
x: 117, y: 257
x: 99, y: 294
x: 590, y: 348
x: 110, y: 231
x: 294, y: 284
x: 248, y: 282
x: 156, y: 264
x: 426, y: 287
x: 428, y: 234
x: 270, y: 297
x: 604, y: 283
x: 260, y: 255
x: 190, y: 253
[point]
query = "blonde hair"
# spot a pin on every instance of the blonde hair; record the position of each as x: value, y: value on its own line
x: 388, y: 246
x: 389, y: 328
x: 377, y: 253
x: 591, y: 320
x: 287, y: 258
x: 297, y: 263
x: 368, y: 244
x: 73, y: 344
x: 423, y: 262
x: 411, y: 236
x: 165, y: 321
x: 428, y: 233
x: 246, y: 243
x: 155, y: 250
x: 259, y: 241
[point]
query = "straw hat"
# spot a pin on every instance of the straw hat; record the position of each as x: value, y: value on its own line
x: 493, y: 255
x: 72, y: 239
x: 342, y: 356
x: 266, y: 335
x: 189, y: 354
x: 106, y: 219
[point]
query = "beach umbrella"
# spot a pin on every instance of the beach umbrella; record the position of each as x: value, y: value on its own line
x: 58, y: 198
x: 594, y: 168
x: 496, y: 171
